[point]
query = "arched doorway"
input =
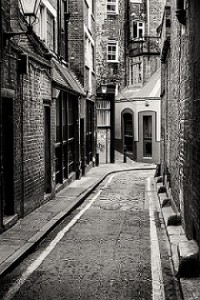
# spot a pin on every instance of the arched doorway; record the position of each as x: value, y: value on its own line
x: 128, y: 135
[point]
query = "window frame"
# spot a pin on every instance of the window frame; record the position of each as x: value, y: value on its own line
x: 103, y: 113
x: 41, y: 28
x: 139, y: 27
x: 113, y: 43
x: 113, y: 3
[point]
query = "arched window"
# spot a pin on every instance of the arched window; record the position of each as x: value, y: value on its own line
x: 128, y: 131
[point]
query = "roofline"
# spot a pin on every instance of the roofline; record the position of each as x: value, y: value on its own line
x: 66, y: 89
x: 137, y: 99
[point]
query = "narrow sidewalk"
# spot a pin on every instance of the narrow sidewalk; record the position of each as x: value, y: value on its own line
x: 20, y: 240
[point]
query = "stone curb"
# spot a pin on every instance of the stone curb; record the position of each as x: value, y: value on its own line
x: 12, y: 261
x: 185, y: 253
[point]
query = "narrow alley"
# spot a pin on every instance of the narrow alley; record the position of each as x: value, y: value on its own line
x: 106, y: 249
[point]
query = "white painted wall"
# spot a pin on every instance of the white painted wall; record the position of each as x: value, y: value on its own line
x: 136, y: 106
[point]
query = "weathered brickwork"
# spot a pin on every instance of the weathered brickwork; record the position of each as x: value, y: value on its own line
x: 144, y: 19
x: 76, y: 38
x: 180, y: 117
x: 31, y: 87
x: 37, y: 88
x: 110, y: 27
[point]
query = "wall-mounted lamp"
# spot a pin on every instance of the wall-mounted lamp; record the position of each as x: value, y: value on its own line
x: 146, y: 103
x: 29, y: 9
x: 104, y: 88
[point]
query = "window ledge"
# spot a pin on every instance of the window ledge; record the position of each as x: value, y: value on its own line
x: 113, y: 61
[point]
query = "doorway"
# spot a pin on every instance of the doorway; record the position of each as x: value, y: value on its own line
x: 47, y: 155
x: 8, y: 165
x: 128, y: 132
x: 104, y: 144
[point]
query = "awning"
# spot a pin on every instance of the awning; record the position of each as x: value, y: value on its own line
x: 150, y: 90
x: 65, y: 78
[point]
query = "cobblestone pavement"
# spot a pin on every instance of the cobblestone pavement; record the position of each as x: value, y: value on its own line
x: 105, y: 255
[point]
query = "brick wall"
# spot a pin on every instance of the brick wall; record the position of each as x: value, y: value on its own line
x: 29, y: 90
x: 110, y: 27
x: 190, y: 136
x: 180, y: 117
x: 76, y: 38
x: 171, y: 107
x: 11, y: 82
x: 37, y: 88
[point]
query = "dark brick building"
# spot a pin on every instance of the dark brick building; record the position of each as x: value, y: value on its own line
x: 81, y: 57
x: 111, y: 70
x: 40, y: 109
x: 180, y: 164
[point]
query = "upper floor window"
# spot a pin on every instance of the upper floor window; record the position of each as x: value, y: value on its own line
x: 50, y: 31
x: 112, y: 51
x: 138, y: 29
x: 112, y: 7
x: 45, y: 27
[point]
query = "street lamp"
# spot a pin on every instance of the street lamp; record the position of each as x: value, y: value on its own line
x: 29, y: 9
x: 104, y: 88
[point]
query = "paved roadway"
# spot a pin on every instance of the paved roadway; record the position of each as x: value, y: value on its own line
x: 107, y: 249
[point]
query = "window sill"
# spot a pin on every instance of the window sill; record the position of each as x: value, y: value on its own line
x: 113, y: 61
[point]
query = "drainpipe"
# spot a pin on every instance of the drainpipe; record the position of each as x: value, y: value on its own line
x: 180, y: 11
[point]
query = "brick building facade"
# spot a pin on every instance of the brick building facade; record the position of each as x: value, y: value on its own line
x: 180, y: 110
x: 110, y: 69
x: 81, y: 57
x: 40, y: 109
x: 137, y: 109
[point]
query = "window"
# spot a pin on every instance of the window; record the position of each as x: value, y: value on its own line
x: 112, y: 51
x: 138, y: 30
x: 45, y: 27
x: 131, y: 74
x: 135, y: 72
x: 103, y: 113
x: 93, y: 57
x: 112, y: 7
x: 50, y: 31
